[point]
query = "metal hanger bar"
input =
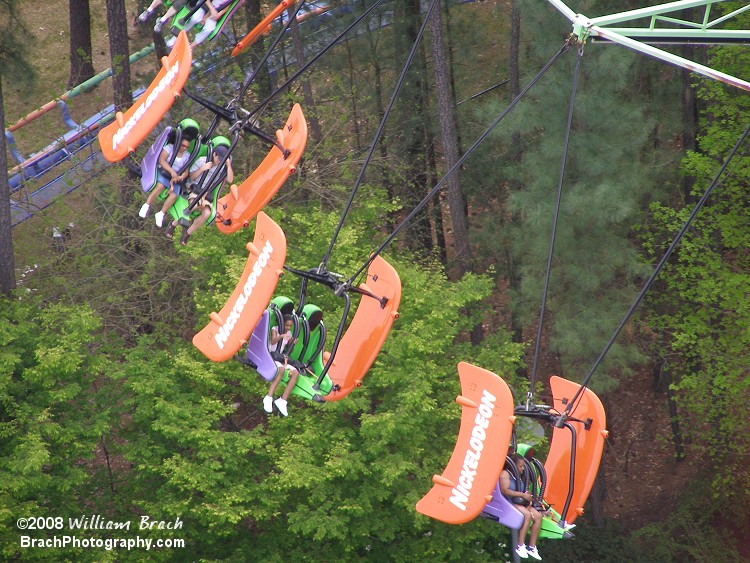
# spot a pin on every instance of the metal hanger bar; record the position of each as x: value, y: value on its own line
x: 563, y: 8
x: 718, y: 35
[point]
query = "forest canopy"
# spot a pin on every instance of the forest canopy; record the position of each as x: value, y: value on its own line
x: 108, y: 412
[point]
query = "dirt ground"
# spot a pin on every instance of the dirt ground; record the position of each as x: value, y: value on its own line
x: 639, y: 455
x: 48, y: 52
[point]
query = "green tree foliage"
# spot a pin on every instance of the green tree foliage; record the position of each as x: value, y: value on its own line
x: 701, y: 314
x: 315, y: 485
x: 13, y: 41
x: 606, y: 181
x: 604, y: 544
x: 702, y: 310
x: 51, y: 417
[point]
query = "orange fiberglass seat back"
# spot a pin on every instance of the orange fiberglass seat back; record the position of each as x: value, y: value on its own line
x: 236, y: 209
x: 129, y: 129
x: 589, y: 448
x: 487, y: 419
x: 366, y: 334
x: 261, y: 29
x: 229, y: 329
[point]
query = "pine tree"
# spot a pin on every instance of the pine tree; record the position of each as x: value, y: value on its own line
x: 608, y: 177
x: 13, y: 64
x: 81, y: 60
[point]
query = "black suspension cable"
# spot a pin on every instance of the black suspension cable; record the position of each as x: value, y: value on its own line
x: 265, y: 57
x: 311, y: 62
x: 459, y: 162
x: 566, y: 144
x: 483, y: 92
x: 379, y: 132
x: 650, y: 281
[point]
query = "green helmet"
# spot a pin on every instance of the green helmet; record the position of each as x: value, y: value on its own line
x: 190, y: 128
x: 525, y: 450
x: 220, y: 141
x: 220, y: 146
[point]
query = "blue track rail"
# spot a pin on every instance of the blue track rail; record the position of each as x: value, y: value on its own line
x: 76, y: 147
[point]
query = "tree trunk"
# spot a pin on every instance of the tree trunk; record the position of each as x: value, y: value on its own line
x: 353, y: 97
x: 663, y: 384
x: 689, y: 119
x: 311, y: 112
x: 386, y: 177
x: 449, y: 136
x: 515, y: 42
x: 434, y: 208
x: 689, y: 110
x: 119, y: 50
x: 254, y: 14
x: 451, y: 68
x: 514, y: 89
x: 455, y: 198
x: 81, y: 66
x: 7, y: 261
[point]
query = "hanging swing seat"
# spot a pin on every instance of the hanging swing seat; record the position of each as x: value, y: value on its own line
x: 552, y: 527
x: 461, y: 492
x: 180, y: 20
x: 150, y: 161
x: 229, y: 329
x: 121, y: 137
x: 261, y: 29
x: 236, y: 209
x: 585, y: 433
x: 368, y: 330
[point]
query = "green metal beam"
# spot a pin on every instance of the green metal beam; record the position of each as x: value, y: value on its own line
x: 638, y: 38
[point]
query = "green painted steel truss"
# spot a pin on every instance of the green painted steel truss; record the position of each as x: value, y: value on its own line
x: 662, y: 27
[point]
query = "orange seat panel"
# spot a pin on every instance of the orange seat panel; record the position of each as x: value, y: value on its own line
x: 121, y: 137
x: 368, y: 330
x: 589, y: 448
x: 229, y: 330
x: 261, y: 29
x: 466, y: 485
x: 236, y: 209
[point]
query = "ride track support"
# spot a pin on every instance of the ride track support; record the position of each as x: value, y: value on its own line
x: 687, y: 31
